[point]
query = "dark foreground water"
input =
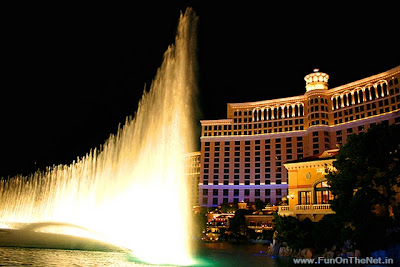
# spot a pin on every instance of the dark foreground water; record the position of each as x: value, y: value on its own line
x: 207, y: 254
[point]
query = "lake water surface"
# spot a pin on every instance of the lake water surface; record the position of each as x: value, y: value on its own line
x: 207, y: 254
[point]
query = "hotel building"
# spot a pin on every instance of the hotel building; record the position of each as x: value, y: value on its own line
x: 192, y: 174
x: 242, y: 156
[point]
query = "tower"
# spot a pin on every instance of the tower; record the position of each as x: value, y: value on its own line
x: 317, y: 100
x: 316, y: 80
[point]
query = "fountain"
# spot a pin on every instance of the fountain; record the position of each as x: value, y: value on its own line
x: 132, y: 190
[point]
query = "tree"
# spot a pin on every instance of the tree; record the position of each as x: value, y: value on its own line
x: 238, y: 223
x: 364, y: 183
x: 199, y: 221
x: 229, y: 207
x: 296, y: 234
x: 328, y: 232
x: 259, y: 204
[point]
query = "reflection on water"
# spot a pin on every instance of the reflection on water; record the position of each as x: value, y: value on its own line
x: 237, y: 255
x: 207, y: 254
x: 59, y: 258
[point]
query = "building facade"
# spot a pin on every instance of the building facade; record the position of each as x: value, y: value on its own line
x: 242, y: 156
x: 192, y: 174
x: 309, y: 193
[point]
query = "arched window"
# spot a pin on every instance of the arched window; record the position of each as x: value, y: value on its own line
x: 334, y: 103
x: 360, y: 96
x: 290, y: 111
x: 349, y: 99
x: 367, y: 94
x: 322, y: 193
x: 265, y: 114
x: 258, y: 115
x: 379, y: 90
x: 384, y: 88
x: 339, y: 100
x: 372, y: 92
x: 301, y: 110
x: 355, y: 95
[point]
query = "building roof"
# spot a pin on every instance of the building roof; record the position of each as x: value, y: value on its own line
x: 327, y: 154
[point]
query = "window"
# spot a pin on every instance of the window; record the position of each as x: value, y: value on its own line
x: 305, y: 197
x: 215, y: 201
x: 322, y: 193
x: 299, y: 144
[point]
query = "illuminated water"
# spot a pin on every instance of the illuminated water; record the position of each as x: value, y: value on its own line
x: 132, y: 190
x: 208, y: 255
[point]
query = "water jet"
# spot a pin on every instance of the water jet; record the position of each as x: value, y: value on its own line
x: 143, y: 163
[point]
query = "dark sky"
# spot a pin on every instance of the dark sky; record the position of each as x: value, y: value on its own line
x: 71, y: 74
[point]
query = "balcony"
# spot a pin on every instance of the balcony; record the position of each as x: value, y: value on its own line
x: 306, y: 209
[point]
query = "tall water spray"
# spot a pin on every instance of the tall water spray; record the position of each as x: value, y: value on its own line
x: 132, y: 190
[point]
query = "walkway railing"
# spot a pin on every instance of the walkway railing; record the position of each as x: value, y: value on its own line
x: 320, y: 207
x: 307, y: 208
x: 283, y: 208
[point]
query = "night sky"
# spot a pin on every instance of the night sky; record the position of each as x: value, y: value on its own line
x: 71, y: 74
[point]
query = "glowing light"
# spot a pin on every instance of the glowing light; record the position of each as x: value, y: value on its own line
x: 117, y: 191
